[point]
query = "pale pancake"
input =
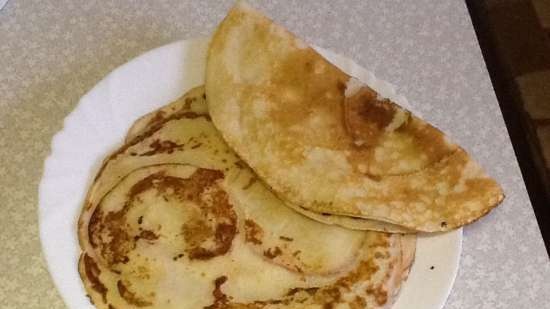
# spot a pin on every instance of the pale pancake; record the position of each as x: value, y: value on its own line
x: 327, y: 142
x: 175, y: 219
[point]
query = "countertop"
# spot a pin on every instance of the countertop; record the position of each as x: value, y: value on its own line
x: 53, y: 52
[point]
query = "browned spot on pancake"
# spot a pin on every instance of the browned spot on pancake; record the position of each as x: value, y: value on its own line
x: 380, y: 255
x: 358, y: 303
x: 220, y: 299
x: 196, y: 231
x: 158, y: 117
x: 296, y: 253
x: 253, y: 232
x: 272, y: 253
x: 179, y: 256
x: 251, y: 181
x: 162, y: 147
x: 92, y: 272
x: 148, y: 235
x: 285, y: 238
x: 331, y: 294
x: 223, y: 235
x: 366, y: 117
x: 111, y: 306
x: 213, y: 204
x: 308, y: 66
x: 363, y: 272
x: 341, y: 86
x: 217, y: 293
x: 188, y: 102
x: 309, y: 291
x: 90, y: 298
x: 376, y: 178
x: 379, y: 293
x: 208, y: 233
x: 131, y: 297
x: 197, y: 145
x: 120, y: 242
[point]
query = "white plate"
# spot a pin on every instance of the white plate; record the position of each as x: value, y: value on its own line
x: 98, y: 125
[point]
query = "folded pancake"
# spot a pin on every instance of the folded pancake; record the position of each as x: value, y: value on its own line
x: 325, y: 141
x: 175, y: 219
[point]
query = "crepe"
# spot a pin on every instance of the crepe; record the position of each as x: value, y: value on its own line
x: 324, y: 141
x: 174, y: 219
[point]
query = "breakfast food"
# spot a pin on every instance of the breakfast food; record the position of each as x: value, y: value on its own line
x: 174, y: 219
x: 329, y: 144
x: 283, y: 182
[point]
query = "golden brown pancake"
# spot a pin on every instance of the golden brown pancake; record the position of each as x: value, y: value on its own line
x: 175, y: 219
x: 326, y: 142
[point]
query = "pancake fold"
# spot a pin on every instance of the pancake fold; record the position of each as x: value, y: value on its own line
x: 329, y: 145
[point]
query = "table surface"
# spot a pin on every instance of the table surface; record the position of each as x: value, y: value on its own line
x: 53, y: 52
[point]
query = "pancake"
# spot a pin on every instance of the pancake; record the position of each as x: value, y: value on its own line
x: 327, y: 142
x: 174, y: 219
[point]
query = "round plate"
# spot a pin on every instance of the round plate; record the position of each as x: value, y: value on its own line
x: 98, y: 125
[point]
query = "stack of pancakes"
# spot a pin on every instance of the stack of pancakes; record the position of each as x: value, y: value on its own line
x: 282, y: 183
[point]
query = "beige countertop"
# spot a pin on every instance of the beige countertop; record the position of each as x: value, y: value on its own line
x: 53, y: 52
